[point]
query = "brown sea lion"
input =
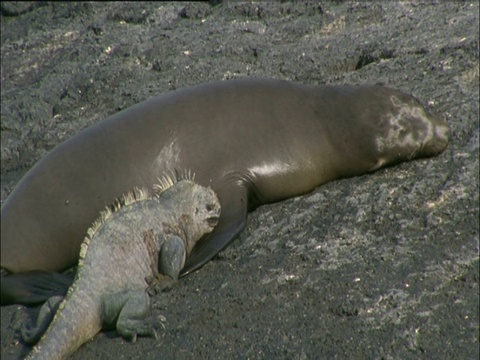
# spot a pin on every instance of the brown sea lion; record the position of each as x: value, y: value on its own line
x: 254, y: 141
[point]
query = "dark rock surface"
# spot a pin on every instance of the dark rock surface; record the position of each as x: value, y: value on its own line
x: 382, y: 266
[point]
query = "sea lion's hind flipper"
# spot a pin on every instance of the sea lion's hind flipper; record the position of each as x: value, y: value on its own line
x: 33, y: 288
x: 234, y: 205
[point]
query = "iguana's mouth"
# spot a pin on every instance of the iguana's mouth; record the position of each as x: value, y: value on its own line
x: 213, y: 220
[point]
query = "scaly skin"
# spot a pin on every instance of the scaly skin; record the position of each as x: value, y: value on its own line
x: 121, y: 253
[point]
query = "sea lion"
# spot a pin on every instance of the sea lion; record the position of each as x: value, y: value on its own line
x: 253, y: 141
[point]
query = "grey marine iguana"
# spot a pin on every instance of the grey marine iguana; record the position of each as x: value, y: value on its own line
x: 124, y: 253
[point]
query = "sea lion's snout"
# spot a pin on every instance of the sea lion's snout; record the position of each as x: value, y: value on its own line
x: 441, y: 134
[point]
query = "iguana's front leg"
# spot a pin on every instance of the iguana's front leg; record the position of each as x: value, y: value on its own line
x: 171, y: 260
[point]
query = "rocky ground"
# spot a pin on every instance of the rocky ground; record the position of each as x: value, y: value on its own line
x: 381, y: 266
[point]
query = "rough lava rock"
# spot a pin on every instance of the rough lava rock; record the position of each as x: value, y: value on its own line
x: 381, y: 266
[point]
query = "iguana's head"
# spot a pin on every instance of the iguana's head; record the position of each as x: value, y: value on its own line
x: 196, y: 209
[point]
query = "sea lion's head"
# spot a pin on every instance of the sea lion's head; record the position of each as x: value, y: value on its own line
x: 407, y: 131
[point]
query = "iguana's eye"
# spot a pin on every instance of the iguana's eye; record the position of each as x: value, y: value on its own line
x: 209, y: 207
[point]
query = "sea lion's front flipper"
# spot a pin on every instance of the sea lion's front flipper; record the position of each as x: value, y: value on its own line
x: 33, y: 288
x: 234, y: 205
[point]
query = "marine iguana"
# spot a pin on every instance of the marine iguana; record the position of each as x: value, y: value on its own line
x: 132, y: 241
